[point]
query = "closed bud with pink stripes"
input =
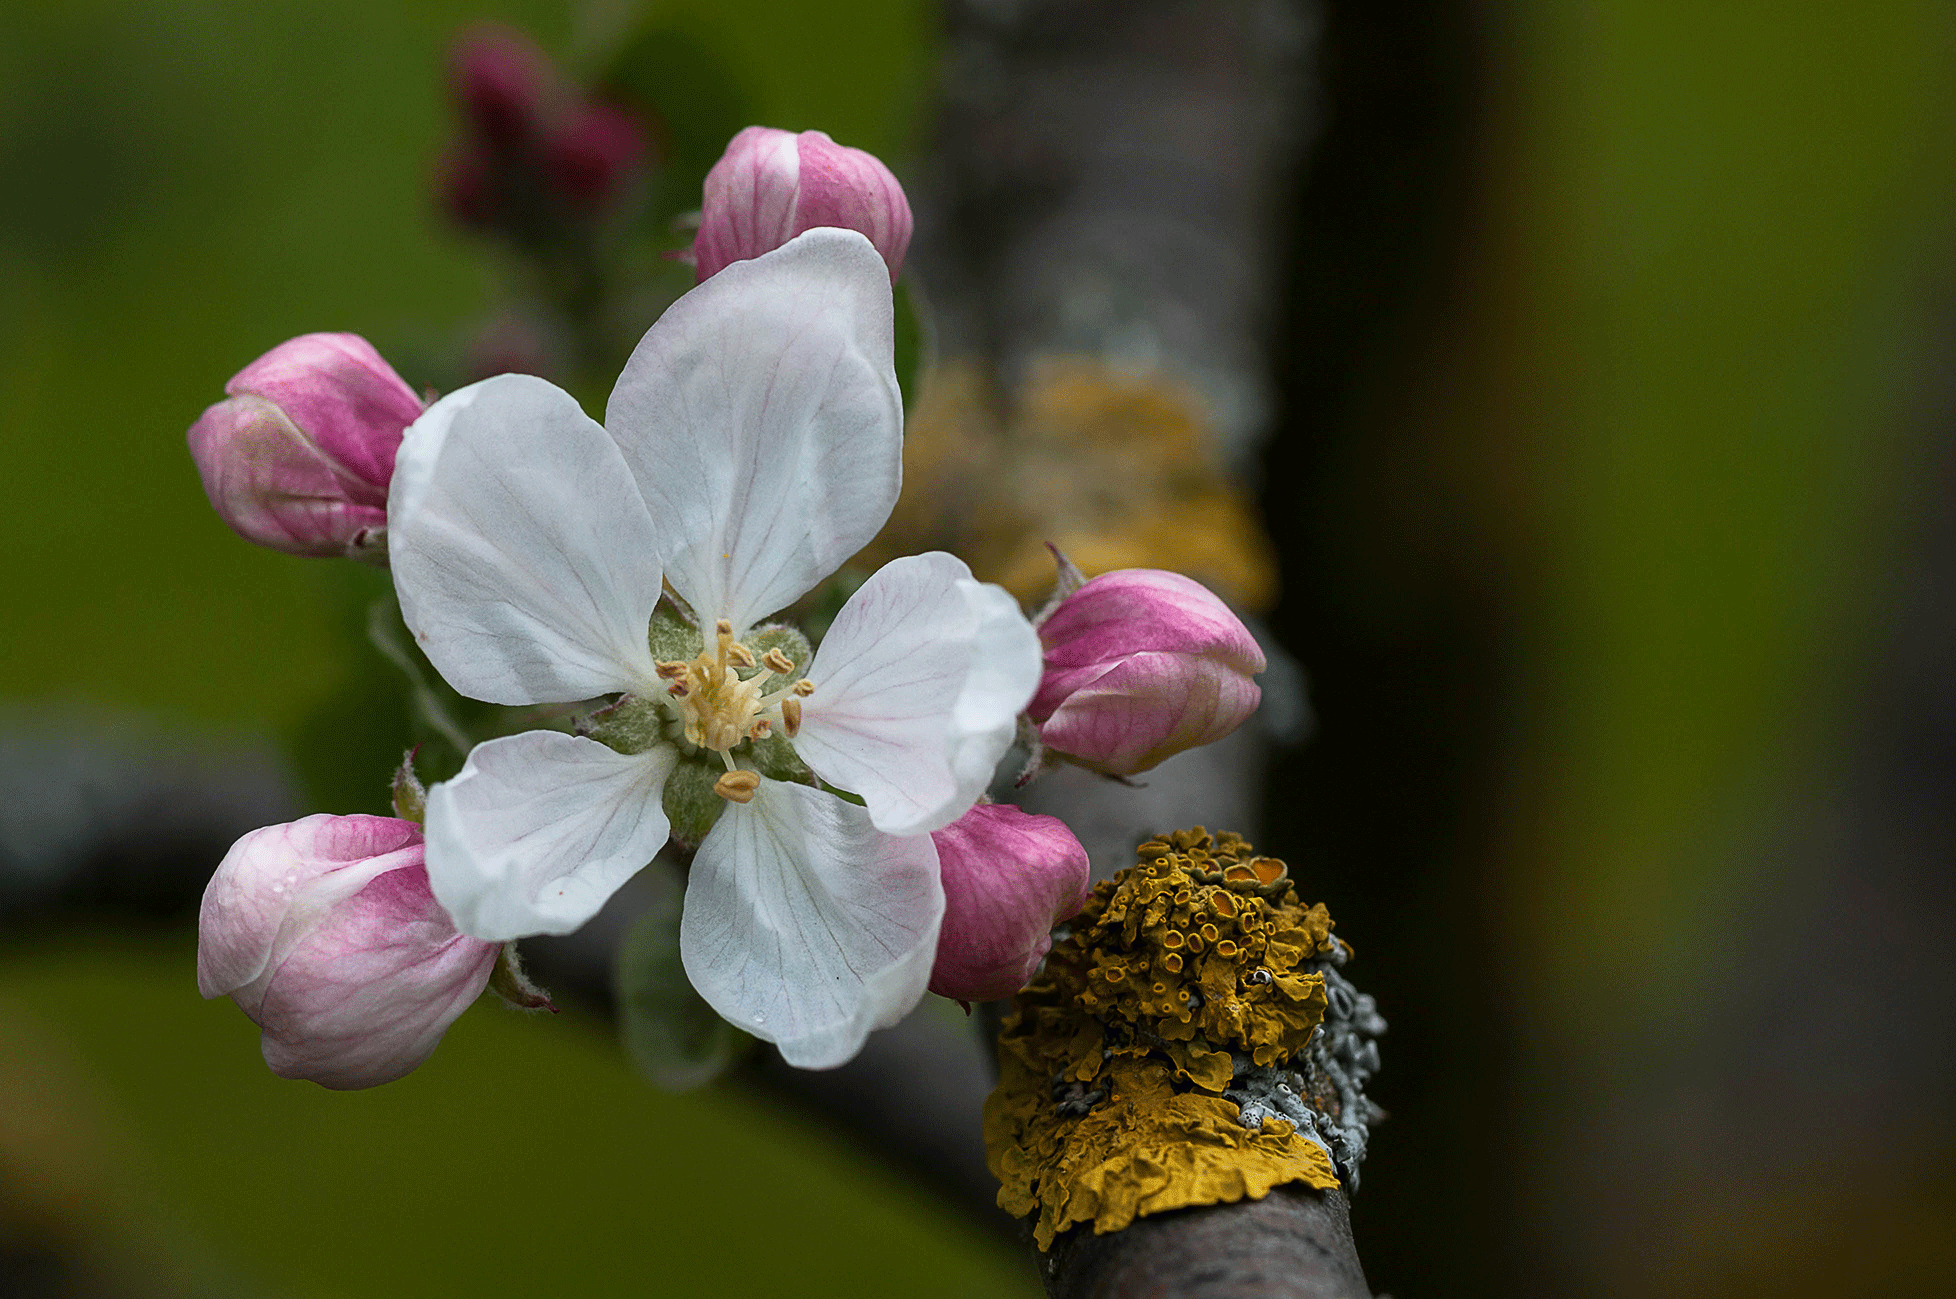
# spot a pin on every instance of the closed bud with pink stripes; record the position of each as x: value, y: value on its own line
x: 1140, y: 665
x: 770, y: 186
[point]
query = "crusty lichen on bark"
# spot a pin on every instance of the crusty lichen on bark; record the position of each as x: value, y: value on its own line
x: 1183, y: 976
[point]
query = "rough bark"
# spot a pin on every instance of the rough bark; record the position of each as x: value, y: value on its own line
x: 1295, y: 1243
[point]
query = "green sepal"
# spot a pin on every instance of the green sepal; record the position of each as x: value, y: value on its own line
x: 669, y: 1032
x: 410, y: 795
x: 774, y: 757
x: 779, y: 635
x: 670, y: 637
x: 509, y: 981
x: 632, y: 725
x: 691, y: 805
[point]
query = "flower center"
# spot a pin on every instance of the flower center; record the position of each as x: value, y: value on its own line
x: 721, y: 709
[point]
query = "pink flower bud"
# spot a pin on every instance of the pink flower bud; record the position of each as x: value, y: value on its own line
x: 593, y: 153
x: 502, y: 80
x: 1009, y: 877
x: 468, y: 191
x: 770, y: 186
x: 1140, y: 665
x: 300, y: 456
x: 325, y: 933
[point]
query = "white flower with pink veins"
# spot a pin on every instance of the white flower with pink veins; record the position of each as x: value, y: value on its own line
x: 752, y: 444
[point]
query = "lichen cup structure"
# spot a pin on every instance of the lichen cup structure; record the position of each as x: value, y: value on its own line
x: 1190, y: 1041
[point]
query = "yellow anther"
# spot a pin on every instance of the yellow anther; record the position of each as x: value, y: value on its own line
x: 740, y: 654
x: 677, y: 690
x: 759, y: 730
x: 791, y: 717
x: 737, y: 786
x: 669, y: 670
x: 778, y: 662
x: 723, y: 628
x: 804, y: 687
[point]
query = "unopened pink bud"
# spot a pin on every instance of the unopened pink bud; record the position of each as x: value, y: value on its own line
x: 594, y: 153
x: 1009, y: 877
x: 502, y: 79
x: 325, y: 933
x: 300, y: 456
x: 1140, y: 665
x: 770, y: 186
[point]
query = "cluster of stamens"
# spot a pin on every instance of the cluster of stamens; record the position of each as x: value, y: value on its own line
x: 721, y: 709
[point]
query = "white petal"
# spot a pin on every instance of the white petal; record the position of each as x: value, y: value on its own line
x: 807, y: 926
x: 918, y: 689
x: 762, y: 417
x: 525, y: 560
x: 539, y: 829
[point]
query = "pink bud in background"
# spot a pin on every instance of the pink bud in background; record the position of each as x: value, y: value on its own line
x: 1009, y: 877
x: 468, y: 191
x: 1140, y: 665
x: 300, y: 456
x: 502, y: 80
x: 770, y: 186
x: 593, y: 153
x: 325, y: 934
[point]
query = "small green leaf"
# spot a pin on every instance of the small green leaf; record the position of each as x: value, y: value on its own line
x: 669, y: 1032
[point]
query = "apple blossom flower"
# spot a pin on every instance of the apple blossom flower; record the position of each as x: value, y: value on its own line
x: 770, y: 186
x: 1009, y: 877
x: 1140, y: 665
x: 299, y: 455
x: 751, y: 445
x: 325, y: 933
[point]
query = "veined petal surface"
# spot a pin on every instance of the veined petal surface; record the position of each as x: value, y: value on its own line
x: 525, y: 560
x: 918, y: 688
x: 762, y: 417
x: 539, y: 829
x: 807, y: 926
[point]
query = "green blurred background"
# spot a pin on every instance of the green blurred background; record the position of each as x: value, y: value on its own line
x: 1614, y: 498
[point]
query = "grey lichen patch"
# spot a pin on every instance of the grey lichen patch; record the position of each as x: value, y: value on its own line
x: 1321, y: 1089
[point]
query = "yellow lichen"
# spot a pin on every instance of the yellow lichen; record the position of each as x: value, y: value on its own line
x: 1112, y: 1063
x: 1118, y: 470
